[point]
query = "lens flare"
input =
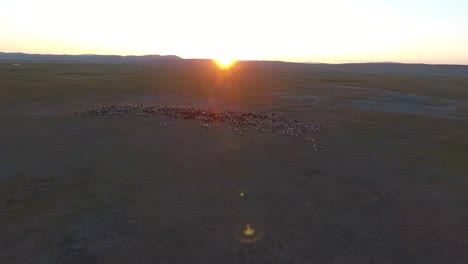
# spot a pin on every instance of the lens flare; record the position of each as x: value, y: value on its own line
x: 248, y: 231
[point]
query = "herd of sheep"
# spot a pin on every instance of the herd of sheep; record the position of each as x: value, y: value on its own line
x: 239, y: 120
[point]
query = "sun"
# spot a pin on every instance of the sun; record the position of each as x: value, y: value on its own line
x: 225, y: 63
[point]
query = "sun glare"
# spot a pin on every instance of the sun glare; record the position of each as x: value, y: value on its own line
x: 225, y: 63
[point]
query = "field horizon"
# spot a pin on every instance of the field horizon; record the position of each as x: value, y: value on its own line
x: 157, y: 57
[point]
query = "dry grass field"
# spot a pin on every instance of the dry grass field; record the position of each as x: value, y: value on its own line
x: 390, y: 186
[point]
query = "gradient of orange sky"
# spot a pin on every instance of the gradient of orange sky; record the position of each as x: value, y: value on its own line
x: 431, y: 31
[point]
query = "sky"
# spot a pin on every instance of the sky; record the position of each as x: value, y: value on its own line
x: 332, y: 31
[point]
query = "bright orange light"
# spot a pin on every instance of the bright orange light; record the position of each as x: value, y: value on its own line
x: 225, y: 63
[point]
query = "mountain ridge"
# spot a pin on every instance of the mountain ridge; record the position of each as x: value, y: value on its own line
x: 86, y: 57
x: 156, y: 57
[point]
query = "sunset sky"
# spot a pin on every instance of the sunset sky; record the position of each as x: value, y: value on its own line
x: 335, y: 31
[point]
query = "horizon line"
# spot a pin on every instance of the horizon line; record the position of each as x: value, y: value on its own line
x: 246, y: 60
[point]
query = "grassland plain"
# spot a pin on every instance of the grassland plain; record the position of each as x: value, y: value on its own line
x: 391, y: 185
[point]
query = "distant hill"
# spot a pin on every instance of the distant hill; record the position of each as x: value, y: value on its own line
x: 398, y: 68
x: 366, y: 68
x: 87, y: 58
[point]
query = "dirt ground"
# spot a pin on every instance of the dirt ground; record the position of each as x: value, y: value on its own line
x: 390, y: 185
